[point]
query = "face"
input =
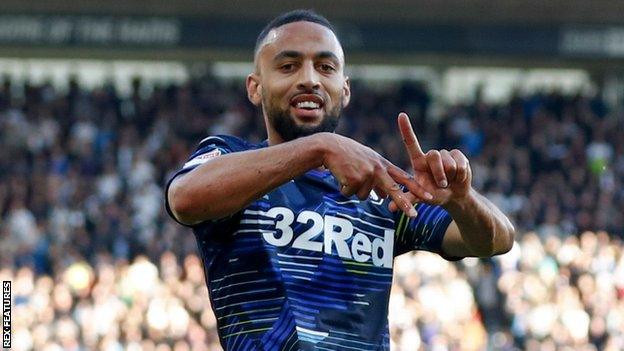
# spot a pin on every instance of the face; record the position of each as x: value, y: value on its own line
x: 299, y: 81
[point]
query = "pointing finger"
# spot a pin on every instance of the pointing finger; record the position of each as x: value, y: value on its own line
x: 413, y: 186
x: 392, y: 206
x: 409, y: 137
x: 396, y: 194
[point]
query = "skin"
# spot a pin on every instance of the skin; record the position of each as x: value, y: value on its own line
x: 298, y: 58
x: 304, y: 59
x: 479, y: 228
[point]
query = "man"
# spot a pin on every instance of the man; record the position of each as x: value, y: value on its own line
x: 298, y: 233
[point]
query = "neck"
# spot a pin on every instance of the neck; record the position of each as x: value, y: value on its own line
x: 273, y: 137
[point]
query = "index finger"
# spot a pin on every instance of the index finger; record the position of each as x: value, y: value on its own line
x: 388, y: 185
x: 409, y: 137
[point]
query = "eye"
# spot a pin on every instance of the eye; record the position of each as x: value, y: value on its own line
x: 326, y: 67
x: 287, y: 67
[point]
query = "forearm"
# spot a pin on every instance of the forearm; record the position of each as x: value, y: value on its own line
x: 485, y: 230
x: 226, y: 184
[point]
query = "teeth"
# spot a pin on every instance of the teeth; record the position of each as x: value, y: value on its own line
x: 307, y: 104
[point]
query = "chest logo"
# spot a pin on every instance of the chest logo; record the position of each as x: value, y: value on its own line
x: 328, y: 233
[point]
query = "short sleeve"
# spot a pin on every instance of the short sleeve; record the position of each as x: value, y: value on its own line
x: 209, y: 148
x: 423, y: 232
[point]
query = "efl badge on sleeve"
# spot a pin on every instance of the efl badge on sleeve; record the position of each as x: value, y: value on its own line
x: 198, y: 160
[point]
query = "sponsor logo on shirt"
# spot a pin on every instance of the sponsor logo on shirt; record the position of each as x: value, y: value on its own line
x: 332, y: 235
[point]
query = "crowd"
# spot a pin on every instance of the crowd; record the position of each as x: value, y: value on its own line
x: 97, y: 264
x: 565, y: 294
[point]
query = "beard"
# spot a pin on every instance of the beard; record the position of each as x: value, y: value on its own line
x: 286, y: 125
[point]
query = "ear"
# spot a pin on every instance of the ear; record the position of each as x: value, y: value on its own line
x: 254, y: 89
x: 346, y: 92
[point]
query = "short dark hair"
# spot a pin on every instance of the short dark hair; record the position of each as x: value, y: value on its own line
x: 290, y: 17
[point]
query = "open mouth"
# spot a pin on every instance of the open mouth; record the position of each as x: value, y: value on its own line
x: 307, y: 106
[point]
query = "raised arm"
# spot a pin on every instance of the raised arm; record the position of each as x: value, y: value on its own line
x: 479, y: 228
x: 226, y: 184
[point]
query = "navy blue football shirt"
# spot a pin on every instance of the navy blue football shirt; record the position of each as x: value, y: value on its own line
x: 303, y: 267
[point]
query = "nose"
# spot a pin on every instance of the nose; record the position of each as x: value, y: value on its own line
x: 308, y: 77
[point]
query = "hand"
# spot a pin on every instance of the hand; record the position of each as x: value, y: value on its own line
x: 445, y: 174
x: 359, y: 169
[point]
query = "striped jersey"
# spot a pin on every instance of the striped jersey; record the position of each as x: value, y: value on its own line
x: 303, y: 267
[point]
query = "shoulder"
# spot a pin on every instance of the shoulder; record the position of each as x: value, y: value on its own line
x: 231, y: 143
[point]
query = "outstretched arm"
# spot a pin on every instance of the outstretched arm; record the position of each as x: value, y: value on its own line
x: 479, y: 228
x: 226, y: 184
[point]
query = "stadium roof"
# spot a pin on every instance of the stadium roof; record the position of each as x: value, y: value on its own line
x: 423, y: 11
x: 529, y: 33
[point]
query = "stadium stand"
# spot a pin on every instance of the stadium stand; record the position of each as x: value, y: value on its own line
x: 96, y: 264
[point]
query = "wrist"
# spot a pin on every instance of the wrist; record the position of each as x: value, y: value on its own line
x: 319, y: 144
x: 461, y: 203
